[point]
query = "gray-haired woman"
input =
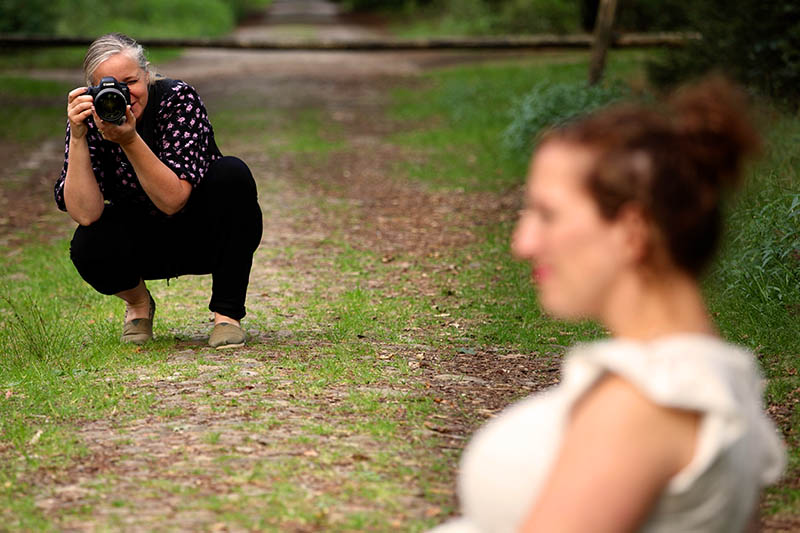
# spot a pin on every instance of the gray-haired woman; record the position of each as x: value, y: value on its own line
x: 153, y: 196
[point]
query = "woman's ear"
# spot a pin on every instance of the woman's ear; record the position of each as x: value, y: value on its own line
x: 637, y: 233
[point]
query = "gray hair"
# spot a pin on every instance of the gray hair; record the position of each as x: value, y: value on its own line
x: 112, y: 44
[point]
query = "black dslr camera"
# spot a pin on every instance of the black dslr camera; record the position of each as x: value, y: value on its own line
x: 111, y: 97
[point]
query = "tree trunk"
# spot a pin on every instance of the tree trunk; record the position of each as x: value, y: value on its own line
x: 602, y: 39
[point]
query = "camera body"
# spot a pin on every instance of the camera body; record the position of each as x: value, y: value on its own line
x: 111, y: 97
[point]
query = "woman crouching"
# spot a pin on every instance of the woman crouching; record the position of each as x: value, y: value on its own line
x: 153, y: 196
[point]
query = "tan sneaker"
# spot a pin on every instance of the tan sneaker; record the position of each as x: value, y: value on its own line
x: 139, y: 330
x: 225, y: 336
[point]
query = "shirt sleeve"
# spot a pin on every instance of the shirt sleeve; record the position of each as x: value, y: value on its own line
x: 185, y: 133
x: 59, y: 187
x: 93, y: 139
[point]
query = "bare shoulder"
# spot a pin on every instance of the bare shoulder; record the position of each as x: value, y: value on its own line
x: 617, y: 412
x: 614, y: 391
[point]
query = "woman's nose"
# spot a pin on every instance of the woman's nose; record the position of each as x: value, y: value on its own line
x: 524, y: 239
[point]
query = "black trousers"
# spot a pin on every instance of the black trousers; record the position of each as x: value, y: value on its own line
x: 216, y: 233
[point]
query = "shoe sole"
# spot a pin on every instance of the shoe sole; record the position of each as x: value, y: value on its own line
x: 135, y: 340
x: 229, y: 346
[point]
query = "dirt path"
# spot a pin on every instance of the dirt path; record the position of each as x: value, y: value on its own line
x: 314, y: 426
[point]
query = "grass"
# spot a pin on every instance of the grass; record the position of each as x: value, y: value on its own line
x: 68, y: 57
x: 35, y: 109
x: 86, y: 375
x: 468, y: 109
x: 478, y: 17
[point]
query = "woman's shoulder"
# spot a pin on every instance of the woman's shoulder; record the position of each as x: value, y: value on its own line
x: 688, y: 371
x: 172, y: 86
x: 719, y: 381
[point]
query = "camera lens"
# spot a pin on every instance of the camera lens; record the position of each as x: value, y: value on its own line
x: 110, y: 105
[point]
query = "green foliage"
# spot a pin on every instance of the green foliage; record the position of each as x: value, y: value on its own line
x: 757, y: 278
x: 68, y: 57
x: 141, y: 19
x: 538, y: 16
x: 753, y: 41
x: 28, y: 16
x: 466, y: 148
x: 34, y: 109
x: 480, y: 17
x: 552, y: 104
x: 382, y: 5
x: 147, y: 18
x: 242, y: 8
x: 650, y: 15
x: 486, y: 17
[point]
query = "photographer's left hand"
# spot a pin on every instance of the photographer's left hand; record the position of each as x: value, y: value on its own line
x: 122, y: 134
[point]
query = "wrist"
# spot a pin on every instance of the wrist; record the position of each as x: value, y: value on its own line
x: 129, y: 141
x: 76, y: 135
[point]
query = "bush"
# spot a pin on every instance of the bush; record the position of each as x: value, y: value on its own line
x: 243, y: 8
x: 755, y: 42
x: 767, y: 266
x: 761, y: 262
x: 478, y: 17
x: 381, y: 5
x: 539, y: 16
x: 651, y: 15
x: 548, y: 105
x: 146, y: 18
x: 755, y: 283
x: 31, y: 17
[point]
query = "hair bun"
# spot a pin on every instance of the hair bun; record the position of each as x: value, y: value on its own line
x: 714, y: 128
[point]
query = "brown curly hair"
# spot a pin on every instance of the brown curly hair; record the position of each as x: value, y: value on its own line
x: 674, y: 161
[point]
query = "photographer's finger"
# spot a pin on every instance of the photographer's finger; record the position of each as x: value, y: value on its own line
x: 130, y: 118
x: 75, y: 93
x: 79, y: 106
x: 97, y: 120
x: 79, y: 114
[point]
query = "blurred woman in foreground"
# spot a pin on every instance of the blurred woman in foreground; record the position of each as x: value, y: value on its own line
x: 661, y: 427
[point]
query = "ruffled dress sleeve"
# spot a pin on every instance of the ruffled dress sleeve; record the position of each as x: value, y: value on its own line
x: 738, y: 449
x: 696, y: 373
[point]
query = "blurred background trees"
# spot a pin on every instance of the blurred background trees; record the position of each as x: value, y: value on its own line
x: 753, y: 41
x: 481, y: 17
x: 141, y: 18
x: 756, y: 42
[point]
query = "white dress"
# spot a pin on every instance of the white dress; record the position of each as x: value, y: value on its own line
x: 737, y: 453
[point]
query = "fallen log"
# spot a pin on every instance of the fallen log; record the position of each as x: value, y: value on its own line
x: 508, y: 42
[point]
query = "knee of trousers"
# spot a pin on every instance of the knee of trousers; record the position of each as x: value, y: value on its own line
x: 99, y: 262
x: 230, y: 177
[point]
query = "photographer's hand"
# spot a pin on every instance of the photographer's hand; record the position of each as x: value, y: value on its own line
x: 80, y: 106
x: 123, y: 134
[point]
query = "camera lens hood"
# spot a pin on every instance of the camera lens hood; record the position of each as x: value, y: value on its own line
x: 110, y: 105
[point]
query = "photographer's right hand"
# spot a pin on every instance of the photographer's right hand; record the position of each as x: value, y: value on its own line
x: 79, y: 108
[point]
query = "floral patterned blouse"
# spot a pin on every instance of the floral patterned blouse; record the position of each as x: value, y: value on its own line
x: 174, y: 125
